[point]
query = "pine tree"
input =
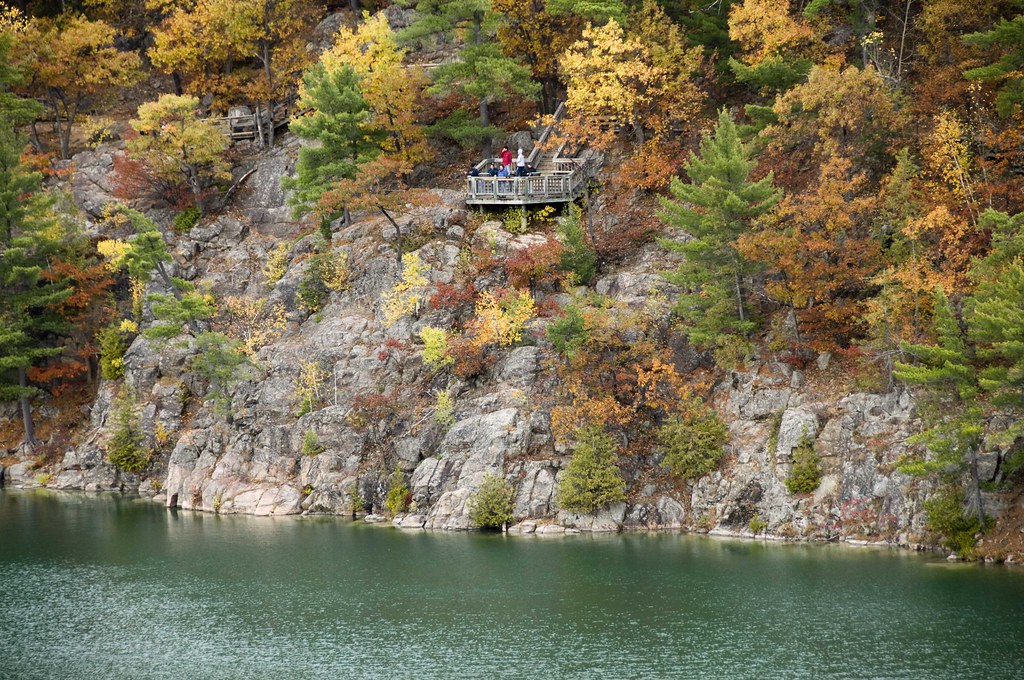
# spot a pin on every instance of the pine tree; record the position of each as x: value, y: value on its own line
x: 1008, y: 34
x: 481, y: 70
x: 997, y: 326
x: 13, y: 109
x: 592, y: 479
x: 338, y: 123
x: 953, y: 413
x: 28, y: 321
x: 221, y: 361
x: 125, y: 446
x: 715, y: 208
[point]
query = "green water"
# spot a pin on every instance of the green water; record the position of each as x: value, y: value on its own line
x: 110, y: 587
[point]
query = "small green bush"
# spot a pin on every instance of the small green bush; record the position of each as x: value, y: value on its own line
x: 806, y: 473
x: 311, y: 444
x: 186, y: 219
x: 757, y: 524
x: 592, y: 479
x: 125, y: 447
x: 945, y: 516
x: 490, y: 506
x: 578, y: 257
x: 693, y: 444
x: 397, y: 500
x: 113, y: 345
x: 568, y: 333
x: 358, y: 502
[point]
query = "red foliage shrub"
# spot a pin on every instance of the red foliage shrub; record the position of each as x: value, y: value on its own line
x: 451, y: 297
x: 470, y: 360
x: 130, y: 179
x: 535, y: 265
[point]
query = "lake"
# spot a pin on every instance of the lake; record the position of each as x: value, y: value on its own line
x: 116, y: 587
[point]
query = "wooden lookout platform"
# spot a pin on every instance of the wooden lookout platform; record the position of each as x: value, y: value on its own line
x: 242, y: 123
x: 561, y: 179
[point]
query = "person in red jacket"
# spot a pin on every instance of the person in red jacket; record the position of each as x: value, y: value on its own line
x: 506, y: 158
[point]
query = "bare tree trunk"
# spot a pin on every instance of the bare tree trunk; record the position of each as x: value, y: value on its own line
x: 485, y: 121
x: 739, y: 288
x: 398, y: 239
x: 268, y: 71
x: 36, y: 143
x: 29, y: 440
x: 976, y: 484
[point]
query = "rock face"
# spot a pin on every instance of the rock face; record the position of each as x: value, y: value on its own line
x: 375, y: 403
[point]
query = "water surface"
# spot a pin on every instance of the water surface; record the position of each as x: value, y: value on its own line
x: 111, y: 587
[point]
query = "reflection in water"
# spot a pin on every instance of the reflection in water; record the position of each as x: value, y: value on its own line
x: 109, y: 586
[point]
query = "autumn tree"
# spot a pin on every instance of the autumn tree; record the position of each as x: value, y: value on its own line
x: 481, y: 71
x: 73, y: 65
x: 391, y: 88
x: 392, y: 92
x: 821, y: 255
x: 177, y: 145
x: 642, y: 81
x: 774, y: 44
x: 193, y: 45
x: 814, y: 121
x: 28, y: 322
x: 539, y: 31
x: 717, y: 205
x: 202, y: 44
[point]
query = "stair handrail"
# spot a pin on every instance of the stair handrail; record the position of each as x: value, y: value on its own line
x: 555, y: 118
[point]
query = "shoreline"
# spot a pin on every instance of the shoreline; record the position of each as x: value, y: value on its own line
x: 545, y: 527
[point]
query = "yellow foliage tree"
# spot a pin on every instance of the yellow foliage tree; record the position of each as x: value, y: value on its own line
x: 765, y: 29
x: 500, y: 319
x: 201, y: 44
x: 252, y: 321
x: 177, y: 145
x: 390, y: 87
x: 641, y: 81
x: 72, y: 65
x: 405, y: 297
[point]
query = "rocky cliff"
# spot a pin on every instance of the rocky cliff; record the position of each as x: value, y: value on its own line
x: 501, y: 422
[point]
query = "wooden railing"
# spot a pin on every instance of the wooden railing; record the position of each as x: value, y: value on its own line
x: 561, y: 185
x: 242, y: 124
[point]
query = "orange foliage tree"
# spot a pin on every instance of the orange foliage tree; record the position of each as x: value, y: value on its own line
x: 821, y: 254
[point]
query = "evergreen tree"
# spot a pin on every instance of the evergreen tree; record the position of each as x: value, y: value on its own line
x: 997, y: 326
x: 125, y: 446
x: 950, y: 404
x: 481, y: 70
x: 13, y: 109
x: 28, y: 321
x: 490, y: 506
x: 592, y: 479
x: 338, y: 127
x: 715, y: 208
x: 221, y: 361
x: 1008, y: 34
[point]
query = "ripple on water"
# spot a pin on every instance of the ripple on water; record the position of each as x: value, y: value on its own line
x: 108, y: 589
